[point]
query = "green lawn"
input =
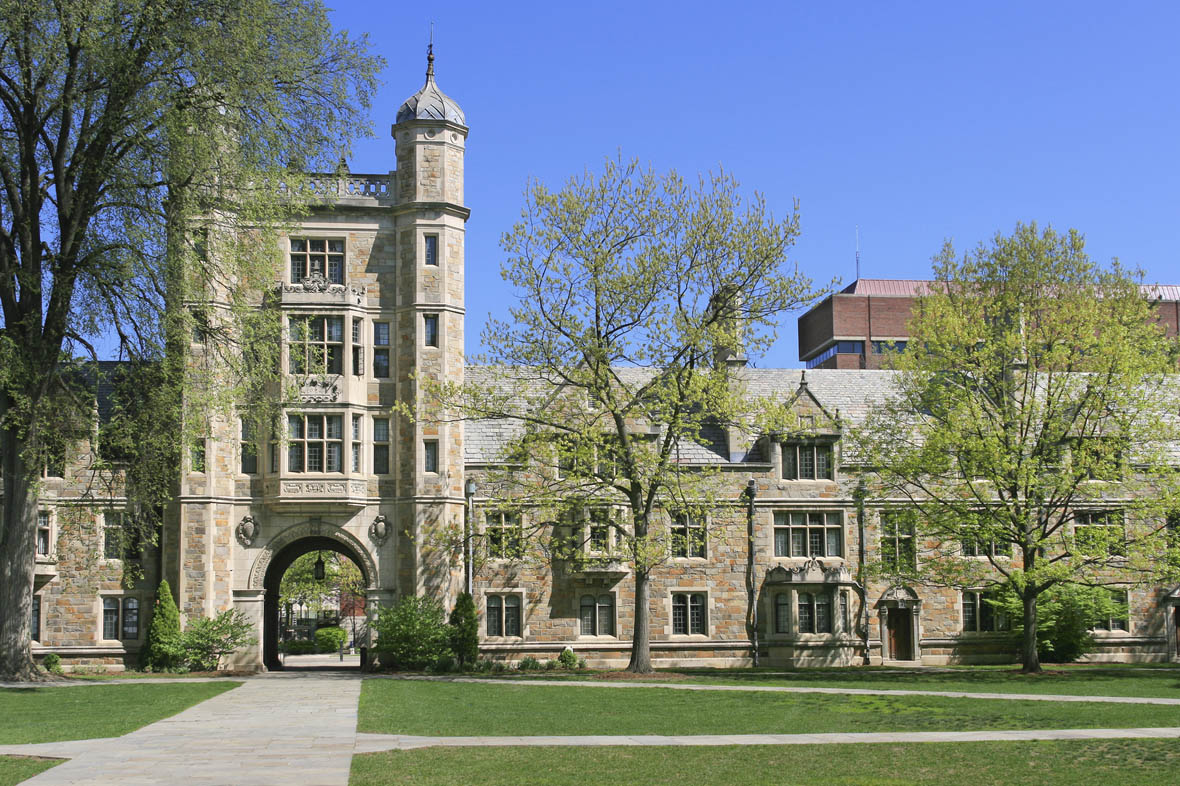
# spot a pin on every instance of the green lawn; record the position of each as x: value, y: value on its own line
x: 1121, y: 680
x: 14, y: 769
x: 87, y: 711
x: 1065, y: 763
x: 1077, y: 680
x: 459, y: 709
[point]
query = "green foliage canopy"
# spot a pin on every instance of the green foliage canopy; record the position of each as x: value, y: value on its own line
x: 1033, y: 422
x: 637, y: 294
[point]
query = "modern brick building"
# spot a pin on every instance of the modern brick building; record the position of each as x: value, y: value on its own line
x: 854, y: 327
x: 375, y: 281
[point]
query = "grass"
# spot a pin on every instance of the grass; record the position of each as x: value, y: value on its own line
x: 1121, y: 680
x: 85, y: 712
x: 14, y: 769
x: 460, y: 709
x: 1077, y: 680
x: 1050, y: 763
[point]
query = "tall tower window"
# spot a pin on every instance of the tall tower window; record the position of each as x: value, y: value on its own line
x: 317, y: 256
x: 430, y: 329
x: 315, y: 443
x: 43, y: 539
x: 356, y: 443
x: 249, y: 448
x: 430, y: 455
x: 317, y: 345
x: 381, y: 349
x: 358, y: 349
x: 431, y: 249
x: 380, y: 446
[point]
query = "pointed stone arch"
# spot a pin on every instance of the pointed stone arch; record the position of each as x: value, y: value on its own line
x: 313, y: 529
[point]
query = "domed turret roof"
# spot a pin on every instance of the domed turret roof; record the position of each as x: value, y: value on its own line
x: 430, y: 103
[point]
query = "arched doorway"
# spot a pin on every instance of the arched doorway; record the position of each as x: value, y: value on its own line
x: 900, y: 612
x: 277, y: 566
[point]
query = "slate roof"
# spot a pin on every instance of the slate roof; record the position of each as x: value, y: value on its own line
x: 852, y: 393
x: 430, y: 103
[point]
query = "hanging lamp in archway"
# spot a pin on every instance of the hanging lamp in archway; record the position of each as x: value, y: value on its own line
x: 318, y: 572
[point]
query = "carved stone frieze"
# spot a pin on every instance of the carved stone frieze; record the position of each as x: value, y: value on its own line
x: 379, y: 530
x: 320, y: 390
x: 247, y: 530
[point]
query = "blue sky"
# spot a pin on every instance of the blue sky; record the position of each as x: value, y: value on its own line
x: 916, y: 122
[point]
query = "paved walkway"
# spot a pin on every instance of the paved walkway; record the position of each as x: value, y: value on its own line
x: 373, y: 743
x: 301, y: 727
x: 278, y: 728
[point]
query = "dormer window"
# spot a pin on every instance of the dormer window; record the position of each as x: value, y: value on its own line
x: 317, y: 257
x: 807, y: 461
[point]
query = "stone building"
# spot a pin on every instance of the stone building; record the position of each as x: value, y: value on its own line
x: 374, y: 291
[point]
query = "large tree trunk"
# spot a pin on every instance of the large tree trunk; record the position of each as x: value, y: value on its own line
x: 1028, y: 646
x: 18, y: 526
x: 641, y: 636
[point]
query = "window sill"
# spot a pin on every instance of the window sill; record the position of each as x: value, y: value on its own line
x: 596, y: 637
x: 689, y: 637
x: 502, y: 639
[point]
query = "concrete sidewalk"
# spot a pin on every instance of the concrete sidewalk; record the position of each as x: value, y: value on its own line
x: 276, y: 728
x: 374, y: 743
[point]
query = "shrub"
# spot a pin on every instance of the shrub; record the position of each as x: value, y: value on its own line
x: 550, y: 665
x: 207, y: 639
x: 581, y: 663
x: 567, y: 659
x: 1066, y: 614
x: 464, y: 632
x: 298, y: 647
x: 444, y: 664
x: 52, y: 663
x: 164, y: 648
x: 330, y: 639
x: 529, y: 663
x: 412, y: 635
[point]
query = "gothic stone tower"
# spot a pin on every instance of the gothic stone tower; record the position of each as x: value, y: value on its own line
x: 372, y: 292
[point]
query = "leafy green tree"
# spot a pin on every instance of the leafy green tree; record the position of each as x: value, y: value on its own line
x: 208, y: 639
x: 1066, y: 616
x: 164, y: 648
x: 464, y: 630
x: 144, y: 167
x: 1031, y: 423
x: 636, y: 294
x: 412, y: 634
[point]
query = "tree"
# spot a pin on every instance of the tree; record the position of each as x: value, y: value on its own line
x: 144, y: 148
x: 464, y: 630
x: 164, y: 648
x: 1031, y: 424
x: 636, y: 293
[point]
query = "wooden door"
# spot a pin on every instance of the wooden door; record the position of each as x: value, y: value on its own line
x: 1176, y: 625
x: 901, y: 634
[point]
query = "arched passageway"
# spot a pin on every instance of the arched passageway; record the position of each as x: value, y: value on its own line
x: 274, y: 577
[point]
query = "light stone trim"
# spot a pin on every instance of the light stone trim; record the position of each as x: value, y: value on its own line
x: 312, y: 529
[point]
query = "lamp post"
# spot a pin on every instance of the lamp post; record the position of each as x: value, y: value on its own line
x: 751, y: 589
x: 469, y: 489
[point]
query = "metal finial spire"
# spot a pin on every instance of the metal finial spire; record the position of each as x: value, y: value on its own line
x: 430, y: 54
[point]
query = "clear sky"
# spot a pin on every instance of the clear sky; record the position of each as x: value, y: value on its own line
x: 917, y: 122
